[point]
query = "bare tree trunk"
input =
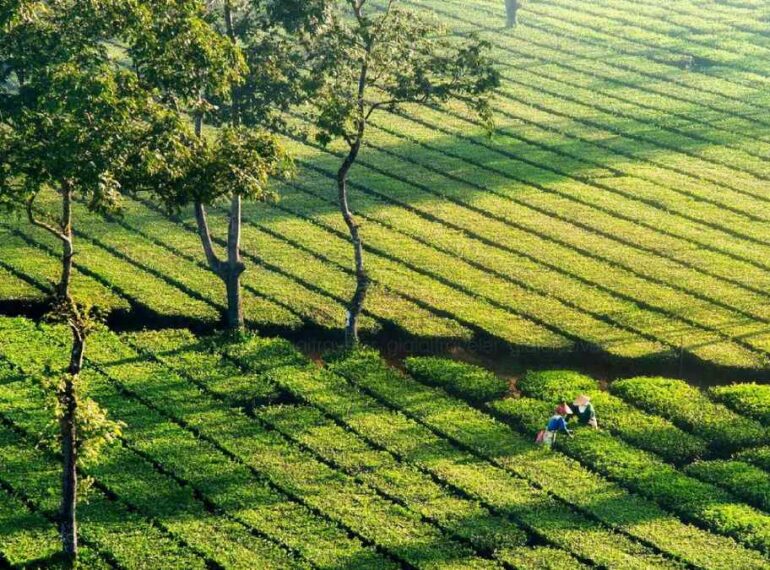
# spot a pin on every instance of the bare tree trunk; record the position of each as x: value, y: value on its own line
x: 67, y: 394
x: 68, y: 514
x: 201, y: 220
x: 229, y: 272
x: 511, y: 9
x: 69, y: 437
x: 356, y: 305
x: 68, y: 251
x: 235, y: 267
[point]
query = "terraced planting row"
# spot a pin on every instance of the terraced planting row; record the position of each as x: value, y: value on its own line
x: 499, y: 495
x: 637, y: 79
x: 552, y: 128
x: 373, y: 466
x: 732, y: 83
x: 641, y: 472
x: 509, y: 293
x: 648, y: 432
x: 109, y: 246
x: 375, y: 436
x: 29, y: 538
x: 204, y: 276
x: 669, y: 8
x: 305, y: 290
x: 698, y: 493
x: 397, y: 307
x: 591, y: 219
x: 437, y: 459
x: 225, y: 485
x: 692, y: 410
x: 492, y: 229
x: 545, y: 30
x: 649, y: 227
x: 578, y: 151
x: 487, y: 531
x: 743, y: 59
x: 670, y: 110
x: 718, y: 18
x: 110, y: 273
x: 214, y: 476
x: 273, y: 245
x: 399, y: 532
x: 170, y: 506
x: 490, y: 439
x: 39, y: 270
x: 108, y: 525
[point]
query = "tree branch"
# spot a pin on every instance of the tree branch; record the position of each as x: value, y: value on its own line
x: 384, y: 18
x: 205, y: 235
x: 380, y: 104
x: 58, y: 232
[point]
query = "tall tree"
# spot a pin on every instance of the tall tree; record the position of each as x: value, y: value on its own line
x: 74, y: 127
x: 241, y: 83
x: 388, y: 59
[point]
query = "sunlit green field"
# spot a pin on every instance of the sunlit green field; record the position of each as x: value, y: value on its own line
x: 620, y: 208
x: 244, y: 455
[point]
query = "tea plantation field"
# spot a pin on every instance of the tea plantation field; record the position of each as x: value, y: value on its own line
x: 621, y: 207
x: 617, y: 220
x: 247, y: 455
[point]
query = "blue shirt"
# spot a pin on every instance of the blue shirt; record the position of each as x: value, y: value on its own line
x: 557, y: 423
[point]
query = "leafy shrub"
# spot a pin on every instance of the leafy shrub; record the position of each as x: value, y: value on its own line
x: 746, y: 481
x: 759, y: 456
x: 261, y: 354
x: 459, y: 378
x: 648, y: 432
x: 751, y: 400
x: 529, y: 414
x: 642, y: 430
x: 690, y: 409
x: 556, y: 385
x: 542, y: 557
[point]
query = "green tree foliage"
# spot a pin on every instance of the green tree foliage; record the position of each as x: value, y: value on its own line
x: 239, y: 66
x: 373, y: 60
x: 75, y: 126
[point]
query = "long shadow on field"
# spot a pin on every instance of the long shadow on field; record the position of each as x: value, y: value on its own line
x: 396, y: 183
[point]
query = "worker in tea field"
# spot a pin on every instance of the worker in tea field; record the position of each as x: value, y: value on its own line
x: 511, y: 9
x: 557, y: 423
x: 584, y: 411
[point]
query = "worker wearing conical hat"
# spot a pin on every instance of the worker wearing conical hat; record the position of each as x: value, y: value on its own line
x: 584, y: 411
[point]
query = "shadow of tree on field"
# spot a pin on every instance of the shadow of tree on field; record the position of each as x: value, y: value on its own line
x: 535, y: 189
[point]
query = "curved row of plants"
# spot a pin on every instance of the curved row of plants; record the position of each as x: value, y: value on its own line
x: 217, y: 476
x: 482, y: 435
x: 721, y: 429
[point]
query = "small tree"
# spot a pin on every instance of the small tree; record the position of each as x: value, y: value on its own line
x: 73, y: 128
x: 240, y: 81
x: 384, y: 61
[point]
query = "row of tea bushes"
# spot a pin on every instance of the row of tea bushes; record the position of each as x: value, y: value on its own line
x: 692, y: 410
